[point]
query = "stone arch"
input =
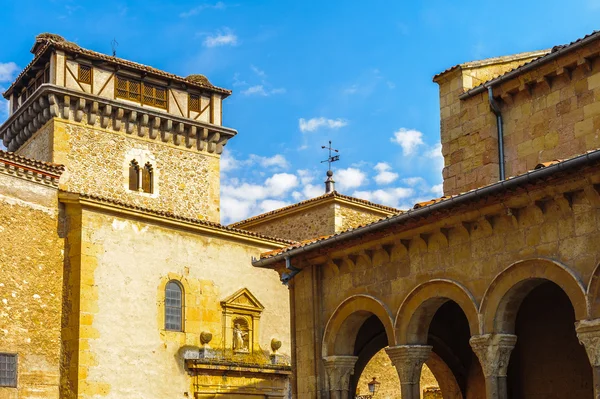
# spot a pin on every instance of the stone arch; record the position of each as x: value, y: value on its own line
x: 503, y: 297
x: 419, y: 307
x: 348, y: 317
x: 444, y: 376
x: 593, y: 294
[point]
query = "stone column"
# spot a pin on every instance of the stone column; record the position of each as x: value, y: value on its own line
x: 493, y: 352
x: 339, y: 369
x: 588, y: 332
x: 408, y: 360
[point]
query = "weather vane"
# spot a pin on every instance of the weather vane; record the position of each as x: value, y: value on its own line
x: 331, y: 158
x: 114, y: 44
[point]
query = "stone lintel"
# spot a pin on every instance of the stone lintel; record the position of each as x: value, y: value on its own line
x: 493, y: 352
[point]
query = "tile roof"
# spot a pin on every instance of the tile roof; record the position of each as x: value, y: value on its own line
x: 425, y: 204
x: 173, y: 216
x: 48, y: 168
x: 46, y: 41
x: 595, y: 35
x: 333, y: 194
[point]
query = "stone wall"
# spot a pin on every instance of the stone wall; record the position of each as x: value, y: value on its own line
x: 315, y: 221
x: 97, y: 160
x: 40, y: 145
x: 349, y: 217
x: 125, y: 262
x: 30, y: 286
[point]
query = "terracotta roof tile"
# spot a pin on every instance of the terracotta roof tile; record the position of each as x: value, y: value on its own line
x: 47, y: 40
x: 333, y: 194
x: 44, y: 167
x: 173, y: 216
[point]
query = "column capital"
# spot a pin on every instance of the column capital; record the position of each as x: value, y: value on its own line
x: 493, y: 352
x: 408, y: 360
x: 588, y: 333
x: 339, y: 369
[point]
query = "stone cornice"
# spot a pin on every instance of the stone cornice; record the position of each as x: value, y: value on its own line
x: 51, y: 101
x: 167, y: 218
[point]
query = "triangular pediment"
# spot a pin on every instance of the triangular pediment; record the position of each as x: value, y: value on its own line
x: 243, y: 299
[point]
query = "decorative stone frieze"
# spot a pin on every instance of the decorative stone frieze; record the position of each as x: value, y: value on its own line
x: 493, y: 352
x: 339, y: 369
x: 51, y: 101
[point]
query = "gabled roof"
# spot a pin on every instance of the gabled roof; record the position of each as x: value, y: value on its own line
x: 313, y: 201
x: 421, y: 211
x: 46, y: 41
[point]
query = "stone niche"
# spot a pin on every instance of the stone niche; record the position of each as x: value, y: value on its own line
x: 241, y: 322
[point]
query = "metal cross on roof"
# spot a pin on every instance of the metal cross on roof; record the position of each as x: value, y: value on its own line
x: 331, y: 158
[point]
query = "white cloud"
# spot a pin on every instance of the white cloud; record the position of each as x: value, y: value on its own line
x: 413, y: 181
x: 349, y: 178
x: 306, y: 176
x: 384, y: 173
x: 228, y: 162
x: 315, y: 123
x: 276, y: 160
x: 197, y: 10
x: 388, y: 196
x: 260, y: 90
x: 438, y: 189
x: 435, y: 151
x: 408, y: 139
x: 270, y: 205
x: 234, y: 209
x: 258, y: 72
x: 351, y: 90
x: 8, y: 71
x: 226, y: 38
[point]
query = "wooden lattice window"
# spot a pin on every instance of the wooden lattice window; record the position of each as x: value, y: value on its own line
x: 128, y: 89
x: 85, y: 74
x: 194, y: 103
x: 8, y: 370
x: 134, y: 175
x: 154, y: 95
x: 148, y: 178
x: 173, y: 306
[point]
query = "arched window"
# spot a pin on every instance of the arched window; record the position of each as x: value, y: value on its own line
x: 147, y: 178
x: 134, y: 175
x: 173, y: 306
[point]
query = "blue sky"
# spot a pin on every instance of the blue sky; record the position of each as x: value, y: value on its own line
x: 305, y: 72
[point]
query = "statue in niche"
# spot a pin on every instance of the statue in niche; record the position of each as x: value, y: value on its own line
x: 240, y: 336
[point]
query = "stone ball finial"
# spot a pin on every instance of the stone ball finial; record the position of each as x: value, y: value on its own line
x: 197, y: 78
x: 275, y: 344
x: 205, y: 337
x: 329, y: 173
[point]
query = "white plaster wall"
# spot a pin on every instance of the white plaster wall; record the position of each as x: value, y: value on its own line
x: 131, y: 356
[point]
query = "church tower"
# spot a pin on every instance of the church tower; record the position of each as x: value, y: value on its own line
x: 122, y: 130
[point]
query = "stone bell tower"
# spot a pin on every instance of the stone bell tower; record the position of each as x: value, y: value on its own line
x: 124, y: 131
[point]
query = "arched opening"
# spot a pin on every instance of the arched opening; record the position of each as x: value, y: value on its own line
x: 547, y: 360
x: 443, y: 314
